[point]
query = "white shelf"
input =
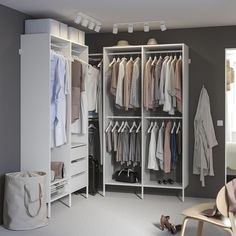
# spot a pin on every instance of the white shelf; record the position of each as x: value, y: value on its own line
x: 154, y: 184
x: 123, y: 117
x: 57, y: 181
x: 116, y: 183
x: 164, y: 117
x: 59, y: 196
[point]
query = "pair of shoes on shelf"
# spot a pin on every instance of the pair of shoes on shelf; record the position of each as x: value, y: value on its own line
x: 164, y: 181
x: 164, y: 223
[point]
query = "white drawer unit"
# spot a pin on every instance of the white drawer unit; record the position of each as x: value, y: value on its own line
x: 79, y: 152
x: 78, y: 166
x: 79, y: 181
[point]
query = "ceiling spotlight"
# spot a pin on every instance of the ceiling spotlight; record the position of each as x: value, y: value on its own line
x: 115, y: 29
x: 163, y: 26
x: 146, y: 27
x: 78, y: 19
x: 91, y: 25
x: 85, y: 22
x: 130, y: 28
x: 98, y: 28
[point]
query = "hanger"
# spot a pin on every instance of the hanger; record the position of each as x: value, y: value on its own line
x: 150, y: 127
x: 112, y: 62
x: 139, y: 127
x: 162, y: 124
x: 100, y: 63
x: 131, y: 59
x: 122, y: 124
x: 108, y: 127
x: 155, y: 124
x: 133, y: 126
x: 126, y: 125
x: 180, y: 57
x: 92, y: 126
x: 115, y: 126
x: 178, y: 128
x: 154, y: 61
x: 173, y: 128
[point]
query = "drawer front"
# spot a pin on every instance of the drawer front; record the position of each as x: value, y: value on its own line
x: 78, y: 181
x: 79, y: 152
x: 78, y: 166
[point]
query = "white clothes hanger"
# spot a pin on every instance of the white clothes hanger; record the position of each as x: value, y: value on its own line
x: 100, y: 63
x: 173, y: 128
x: 92, y: 126
x: 133, y: 126
x: 122, y: 124
x: 163, y: 124
x: 178, y: 128
x: 108, y: 127
x: 126, y: 125
x: 112, y: 62
x: 150, y: 127
x: 115, y: 126
x: 131, y: 59
x: 180, y: 57
x: 139, y: 127
x: 154, y: 61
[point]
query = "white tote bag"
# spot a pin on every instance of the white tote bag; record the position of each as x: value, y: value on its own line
x: 25, y: 201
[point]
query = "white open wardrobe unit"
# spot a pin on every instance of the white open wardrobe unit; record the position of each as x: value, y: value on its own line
x: 111, y: 113
x: 36, y: 151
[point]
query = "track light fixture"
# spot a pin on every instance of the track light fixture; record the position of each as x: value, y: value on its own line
x: 130, y: 28
x: 163, y: 26
x: 98, y: 28
x: 88, y: 21
x: 146, y: 26
x: 115, y: 29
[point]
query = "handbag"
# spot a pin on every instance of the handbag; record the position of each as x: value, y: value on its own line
x: 126, y: 175
x: 58, y: 168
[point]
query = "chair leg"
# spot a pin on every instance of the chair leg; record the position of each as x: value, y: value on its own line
x: 199, y: 228
x: 184, y: 226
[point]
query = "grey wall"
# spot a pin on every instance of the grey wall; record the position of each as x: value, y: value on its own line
x: 11, y: 26
x: 207, y: 52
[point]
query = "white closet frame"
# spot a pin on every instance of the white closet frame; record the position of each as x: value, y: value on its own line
x: 36, y: 152
x: 108, y: 108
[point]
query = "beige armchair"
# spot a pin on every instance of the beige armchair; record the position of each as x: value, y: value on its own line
x: 226, y: 221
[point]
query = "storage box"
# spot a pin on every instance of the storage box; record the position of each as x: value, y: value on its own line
x: 63, y: 31
x: 73, y: 34
x: 81, y: 37
x: 38, y: 26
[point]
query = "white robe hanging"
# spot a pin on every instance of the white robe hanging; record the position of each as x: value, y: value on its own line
x: 205, y: 138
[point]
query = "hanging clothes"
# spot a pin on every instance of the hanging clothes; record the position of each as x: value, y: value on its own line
x: 92, y: 88
x: 59, y: 89
x: 109, y: 140
x: 120, y: 83
x: 205, y: 139
x: 135, y: 91
x: 171, y: 89
x: 173, y: 149
x: 167, y: 97
x: 138, y: 149
x: 167, y: 152
x: 146, y: 83
x: 60, y: 122
x: 162, y: 81
x: 160, y: 147
x: 114, y: 77
x: 79, y: 126
x: 152, y: 160
x: 132, y: 147
x: 157, y: 77
x: 178, y: 84
x: 127, y: 83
